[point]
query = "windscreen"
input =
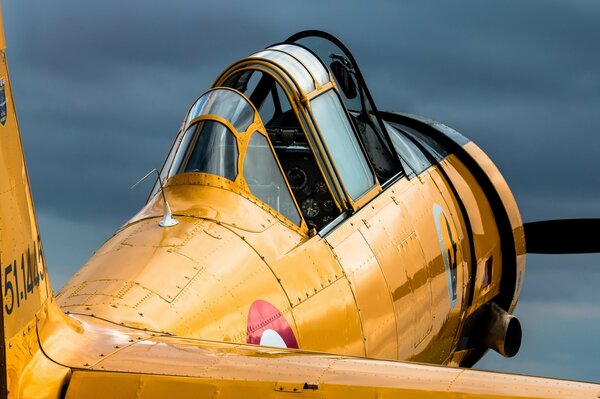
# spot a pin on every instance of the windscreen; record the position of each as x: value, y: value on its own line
x: 226, y: 104
x: 215, y: 151
x: 209, y: 145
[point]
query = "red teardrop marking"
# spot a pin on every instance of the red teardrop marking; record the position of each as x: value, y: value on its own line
x: 263, y: 316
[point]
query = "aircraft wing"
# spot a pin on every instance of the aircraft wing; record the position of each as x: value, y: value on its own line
x: 100, y: 359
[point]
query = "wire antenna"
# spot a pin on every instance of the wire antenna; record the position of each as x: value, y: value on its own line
x: 168, y: 220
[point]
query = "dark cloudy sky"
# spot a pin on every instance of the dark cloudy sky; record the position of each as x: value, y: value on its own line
x: 101, y: 88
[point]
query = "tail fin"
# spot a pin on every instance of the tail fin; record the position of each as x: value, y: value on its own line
x: 25, y: 285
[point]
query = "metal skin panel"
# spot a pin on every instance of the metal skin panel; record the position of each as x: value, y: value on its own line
x: 201, y: 288
x: 81, y: 341
x: 213, y: 198
x: 459, y: 255
x: 282, y: 241
x: 497, y: 194
x: 154, y: 255
x: 126, y: 386
x: 144, y: 366
x: 401, y: 257
x: 334, y: 328
x: 373, y: 298
x: 307, y: 270
x: 414, y: 280
x: 86, y: 384
x: 416, y: 276
x: 30, y: 373
x: 391, y: 238
x: 441, y: 257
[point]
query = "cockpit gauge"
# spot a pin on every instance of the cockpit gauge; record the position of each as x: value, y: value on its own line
x: 321, y: 187
x: 327, y: 219
x: 297, y: 178
x: 328, y: 204
x: 310, y: 208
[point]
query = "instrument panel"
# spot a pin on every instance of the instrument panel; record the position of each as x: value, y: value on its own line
x: 308, y: 186
x: 302, y: 171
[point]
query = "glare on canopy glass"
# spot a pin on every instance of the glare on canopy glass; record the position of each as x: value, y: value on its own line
x: 226, y: 104
x: 212, y: 149
x: 265, y: 179
x: 342, y: 144
x: 290, y: 64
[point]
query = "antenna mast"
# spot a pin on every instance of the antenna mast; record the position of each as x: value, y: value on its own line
x: 168, y: 220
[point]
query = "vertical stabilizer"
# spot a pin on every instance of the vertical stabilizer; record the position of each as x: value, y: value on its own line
x: 25, y: 285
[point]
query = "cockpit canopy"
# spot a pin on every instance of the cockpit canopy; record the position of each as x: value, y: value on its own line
x: 275, y: 127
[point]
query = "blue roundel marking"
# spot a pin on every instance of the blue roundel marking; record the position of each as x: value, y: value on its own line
x: 448, y: 251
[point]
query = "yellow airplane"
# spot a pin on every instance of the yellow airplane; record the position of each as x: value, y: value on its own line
x: 297, y: 243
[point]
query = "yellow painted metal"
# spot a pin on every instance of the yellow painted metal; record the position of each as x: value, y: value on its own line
x: 29, y: 372
x: 373, y: 298
x: 124, y: 363
x: 318, y: 91
x: 225, y: 370
x: 202, y: 287
x: 315, y: 321
x: 485, y: 235
x: 200, y: 277
x: 190, y: 286
x: 393, y: 225
x: 510, y: 205
x: 305, y: 270
x: 288, y: 269
x: 126, y: 386
x: 446, y: 312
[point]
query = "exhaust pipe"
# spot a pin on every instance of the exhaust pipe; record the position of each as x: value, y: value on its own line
x: 503, y: 332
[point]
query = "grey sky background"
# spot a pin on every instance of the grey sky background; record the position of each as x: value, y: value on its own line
x: 101, y: 88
